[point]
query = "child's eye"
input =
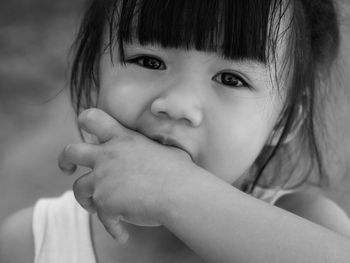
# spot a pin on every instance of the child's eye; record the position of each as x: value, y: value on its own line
x: 230, y: 79
x: 148, y: 62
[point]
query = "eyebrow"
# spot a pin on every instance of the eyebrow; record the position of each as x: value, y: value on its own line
x: 246, y: 64
x: 245, y: 61
x: 249, y: 67
x: 136, y: 45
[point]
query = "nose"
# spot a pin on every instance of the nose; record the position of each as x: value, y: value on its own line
x: 179, y: 102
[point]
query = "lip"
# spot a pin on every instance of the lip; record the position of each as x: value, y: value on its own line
x: 169, y: 141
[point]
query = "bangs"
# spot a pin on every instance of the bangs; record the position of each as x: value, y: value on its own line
x: 236, y: 29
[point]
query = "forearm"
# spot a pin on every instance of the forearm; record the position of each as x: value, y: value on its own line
x: 222, y: 224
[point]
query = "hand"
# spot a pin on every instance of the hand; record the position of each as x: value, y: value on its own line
x: 131, y: 176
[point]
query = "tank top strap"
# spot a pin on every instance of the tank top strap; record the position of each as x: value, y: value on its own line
x: 271, y: 195
x: 61, y: 231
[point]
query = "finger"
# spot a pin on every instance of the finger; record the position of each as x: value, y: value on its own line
x: 100, y: 124
x: 82, y: 154
x: 83, y: 189
x: 114, y: 227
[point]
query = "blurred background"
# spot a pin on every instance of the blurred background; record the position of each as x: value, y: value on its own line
x: 36, y: 120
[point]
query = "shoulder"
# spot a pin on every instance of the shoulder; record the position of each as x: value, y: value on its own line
x: 16, y: 238
x: 318, y: 209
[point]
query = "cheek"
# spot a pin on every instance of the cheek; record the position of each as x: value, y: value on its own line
x: 232, y: 154
x: 122, y: 98
x: 233, y: 148
x: 118, y: 103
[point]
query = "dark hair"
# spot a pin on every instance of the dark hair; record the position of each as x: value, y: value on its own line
x: 237, y: 29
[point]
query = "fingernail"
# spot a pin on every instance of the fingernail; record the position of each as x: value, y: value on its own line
x: 68, y: 146
x: 119, y: 234
x: 123, y: 238
x: 89, y: 113
x: 68, y: 169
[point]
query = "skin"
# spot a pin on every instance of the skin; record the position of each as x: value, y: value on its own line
x: 223, y: 127
x: 199, y: 106
x: 193, y: 189
x: 185, y: 192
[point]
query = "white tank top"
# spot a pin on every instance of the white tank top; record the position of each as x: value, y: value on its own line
x: 61, y: 228
x: 61, y: 231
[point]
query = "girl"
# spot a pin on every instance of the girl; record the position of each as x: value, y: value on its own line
x: 195, y: 99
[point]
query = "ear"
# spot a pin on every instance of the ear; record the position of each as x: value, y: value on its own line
x: 277, y: 132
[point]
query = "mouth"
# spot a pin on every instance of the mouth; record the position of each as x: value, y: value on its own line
x: 171, y: 142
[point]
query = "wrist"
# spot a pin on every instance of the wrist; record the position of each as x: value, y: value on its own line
x: 183, y: 197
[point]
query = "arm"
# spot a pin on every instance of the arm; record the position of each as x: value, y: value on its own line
x: 16, y: 238
x: 223, y: 224
x: 220, y: 223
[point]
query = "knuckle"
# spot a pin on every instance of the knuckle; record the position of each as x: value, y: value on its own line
x: 127, y: 138
x: 109, y: 154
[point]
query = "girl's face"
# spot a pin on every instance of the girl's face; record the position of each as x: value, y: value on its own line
x: 219, y: 111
